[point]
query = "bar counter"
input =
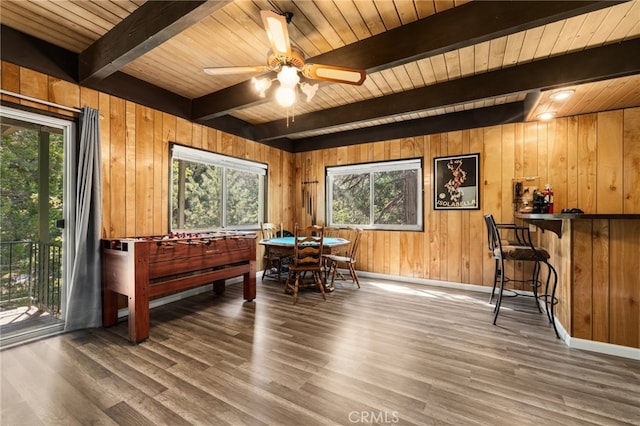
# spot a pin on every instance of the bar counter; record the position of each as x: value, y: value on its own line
x: 597, y: 257
x: 553, y: 221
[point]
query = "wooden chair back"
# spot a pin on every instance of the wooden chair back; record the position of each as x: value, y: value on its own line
x: 356, y: 236
x: 308, y: 247
x: 331, y: 232
x: 270, y: 230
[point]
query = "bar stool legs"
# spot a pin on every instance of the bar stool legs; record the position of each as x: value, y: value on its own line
x: 498, y: 275
x: 496, y: 309
x: 550, y: 300
x: 535, y: 283
x: 496, y: 271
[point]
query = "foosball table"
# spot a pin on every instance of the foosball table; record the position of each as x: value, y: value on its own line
x: 145, y: 267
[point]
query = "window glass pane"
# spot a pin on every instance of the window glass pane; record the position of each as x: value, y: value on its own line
x: 202, y: 196
x: 210, y: 191
x: 243, y: 189
x: 351, y: 199
x: 395, y: 197
x: 382, y: 195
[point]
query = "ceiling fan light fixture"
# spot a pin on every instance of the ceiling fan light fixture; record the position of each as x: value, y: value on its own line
x: 288, y: 62
x: 288, y: 77
x: 309, y: 90
x: 285, y: 96
x: 261, y: 85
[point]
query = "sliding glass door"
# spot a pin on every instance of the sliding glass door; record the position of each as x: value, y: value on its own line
x: 34, y: 205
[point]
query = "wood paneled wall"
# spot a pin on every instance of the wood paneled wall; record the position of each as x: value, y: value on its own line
x: 606, y: 281
x: 592, y: 161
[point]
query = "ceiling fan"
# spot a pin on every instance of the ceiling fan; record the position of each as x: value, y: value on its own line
x: 287, y: 61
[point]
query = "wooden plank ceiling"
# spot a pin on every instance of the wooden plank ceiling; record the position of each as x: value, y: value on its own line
x: 431, y: 65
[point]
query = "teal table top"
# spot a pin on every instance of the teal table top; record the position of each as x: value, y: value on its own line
x: 288, y: 242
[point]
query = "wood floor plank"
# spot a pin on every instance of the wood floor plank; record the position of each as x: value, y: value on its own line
x: 388, y: 353
x: 53, y: 400
x: 123, y: 414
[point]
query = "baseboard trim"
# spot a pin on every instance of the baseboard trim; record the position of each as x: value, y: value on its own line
x: 436, y: 283
x: 604, y: 348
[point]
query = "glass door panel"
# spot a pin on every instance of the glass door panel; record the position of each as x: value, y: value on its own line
x: 32, y: 211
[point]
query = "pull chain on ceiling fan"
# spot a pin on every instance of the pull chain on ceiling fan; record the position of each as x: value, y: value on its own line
x: 287, y: 61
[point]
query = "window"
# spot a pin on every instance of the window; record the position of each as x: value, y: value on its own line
x: 386, y: 195
x: 211, y: 191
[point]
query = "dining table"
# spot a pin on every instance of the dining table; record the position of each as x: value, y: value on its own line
x: 283, y: 246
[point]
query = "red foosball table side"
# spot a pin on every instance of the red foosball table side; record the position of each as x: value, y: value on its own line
x: 143, y: 268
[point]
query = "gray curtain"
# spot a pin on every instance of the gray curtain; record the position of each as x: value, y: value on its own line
x: 84, y: 290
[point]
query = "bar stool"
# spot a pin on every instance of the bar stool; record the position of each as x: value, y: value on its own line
x: 520, y: 249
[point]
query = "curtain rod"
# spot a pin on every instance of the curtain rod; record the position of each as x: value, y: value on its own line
x: 40, y: 101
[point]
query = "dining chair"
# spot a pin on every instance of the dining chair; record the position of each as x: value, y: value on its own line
x: 520, y: 248
x: 271, y: 259
x: 331, y: 232
x: 349, y: 259
x: 307, y: 257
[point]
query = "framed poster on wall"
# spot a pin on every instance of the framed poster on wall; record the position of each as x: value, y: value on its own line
x: 455, y: 182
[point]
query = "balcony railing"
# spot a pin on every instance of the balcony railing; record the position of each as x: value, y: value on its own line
x: 30, y: 275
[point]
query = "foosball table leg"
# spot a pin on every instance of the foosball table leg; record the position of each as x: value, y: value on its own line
x: 139, y: 314
x: 109, y: 308
x: 219, y: 287
x: 249, y: 284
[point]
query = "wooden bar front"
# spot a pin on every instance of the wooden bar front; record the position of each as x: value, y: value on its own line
x: 598, y: 261
x: 142, y: 268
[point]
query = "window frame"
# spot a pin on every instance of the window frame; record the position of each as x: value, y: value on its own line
x: 371, y: 168
x: 225, y: 162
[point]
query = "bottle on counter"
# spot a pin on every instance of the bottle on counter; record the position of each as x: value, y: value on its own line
x: 548, y: 198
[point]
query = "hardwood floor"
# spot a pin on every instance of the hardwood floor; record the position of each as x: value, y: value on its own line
x: 388, y: 353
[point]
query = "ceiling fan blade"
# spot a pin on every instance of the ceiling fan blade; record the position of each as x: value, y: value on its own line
x: 334, y: 73
x: 236, y: 70
x: 276, y: 27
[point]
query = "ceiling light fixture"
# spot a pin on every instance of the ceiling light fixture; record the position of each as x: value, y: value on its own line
x: 287, y: 61
x: 562, y: 94
x: 287, y: 94
x: 546, y: 115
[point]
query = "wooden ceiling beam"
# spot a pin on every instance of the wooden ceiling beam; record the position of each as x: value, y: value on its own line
x: 480, y: 117
x: 599, y: 63
x: 513, y: 112
x: 147, y: 27
x: 144, y: 93
x: 33, y: 53
x: 462, y: 26
x: 29, y: 52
